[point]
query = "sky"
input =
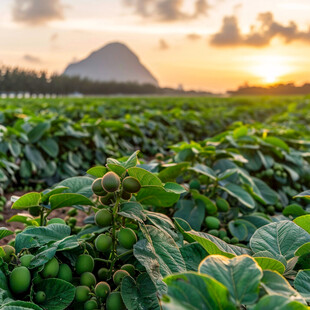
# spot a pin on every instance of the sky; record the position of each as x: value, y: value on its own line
x: 202, y: 44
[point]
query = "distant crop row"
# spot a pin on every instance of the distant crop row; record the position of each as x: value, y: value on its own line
x: 45, y: 140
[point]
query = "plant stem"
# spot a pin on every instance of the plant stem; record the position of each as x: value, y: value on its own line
x: 42, y: 216
x: 113, y: 252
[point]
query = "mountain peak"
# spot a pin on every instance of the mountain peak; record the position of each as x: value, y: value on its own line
x: 113, y: 62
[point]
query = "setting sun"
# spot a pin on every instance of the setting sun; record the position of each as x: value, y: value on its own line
x: 270, y: 69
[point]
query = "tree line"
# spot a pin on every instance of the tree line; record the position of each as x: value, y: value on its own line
x: 277, y: 89
x: 17, y: 80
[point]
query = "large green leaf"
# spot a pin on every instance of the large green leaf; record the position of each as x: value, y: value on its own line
x: 38, y: 131
x: 35, y: 156
x: 277, y: 302
x: 50, y: 146
x: 78, y: 185
x: 192, y: 291
x: 132, y: 210
x: 162, y: 257
x: 303, y: 222
x: 240, y: 194
x: 172, y: 171
x: 139, y: 294
x: 214, y: 245
x: 27, y: 201
x: 19, y: 305
x: 282, y: 238
x: 241, y: 275
x: 275, y: 284
x: 48, y: 193
x: 98, y: 171
x: 59, y: 294
x: 69, y: 199
x: 277, y: 142
x: 205, y: 170
x: 156, y: 196
x: 302, y: 283
x: 193, y: 213
x: 268, y: 263
x: 33, y: 237
x: 145, y: 177
x: 193, y: 254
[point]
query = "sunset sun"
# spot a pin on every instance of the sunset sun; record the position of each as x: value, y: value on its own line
x: 270, y: 69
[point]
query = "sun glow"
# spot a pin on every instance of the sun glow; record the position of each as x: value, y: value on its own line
x: 270, y: 69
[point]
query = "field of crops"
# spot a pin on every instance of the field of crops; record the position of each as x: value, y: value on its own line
x: 155, y: 203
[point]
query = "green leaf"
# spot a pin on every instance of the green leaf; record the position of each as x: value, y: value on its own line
x: 50, y: 146
x: 4, y: 232
x: 214, y: 245
x: 302, y: 283
x: 19, y: 305
x: 304, y: 249
x: 240, y: 132
x: 270, y: 264
x: 193, y: 213
x: 277, y: 302
x: 294, y: 210
x: 98, y: 171
x: 145, y: 177
x: 58, y: 201
x: 160, y: 258
x: 48, y: 193
x: 156, y: 196
x: 174, y: 188
x: 275, y: 284
x: 23, y: 218
x: 59, y: 294
x: 132, y: 210
x: 139, y: 294
x: 193, y: 254
x: 192, y: 291
x: 27, y: 201
x: 277, y: 142
x: 119, y: 170
x: 205, y: 170
x: 132, y: 161
x: 172, y: 171
x: 238, y: 229
x: 33, y: 237
x: 242, y: 286
x: 78, y: 185
x: 282, y: 238
x: 38, y: 131
x: 14, y: 147
x: 269, y: 196
x: 240, y: 194
x: 305, y: 194
x: 35, y: 156
x: 303, y: 222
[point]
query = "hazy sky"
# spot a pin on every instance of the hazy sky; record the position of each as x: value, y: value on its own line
x: 203, y: 44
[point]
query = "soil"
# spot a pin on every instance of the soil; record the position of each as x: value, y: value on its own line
x: 8, y: 213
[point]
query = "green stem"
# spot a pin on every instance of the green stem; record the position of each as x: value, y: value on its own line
x: 113, y: 253
x: 42, y: 217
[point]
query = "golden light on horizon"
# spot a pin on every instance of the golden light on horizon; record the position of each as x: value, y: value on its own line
x: 271, y: 69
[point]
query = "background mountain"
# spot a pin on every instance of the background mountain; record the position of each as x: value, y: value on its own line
x: 113, y: 62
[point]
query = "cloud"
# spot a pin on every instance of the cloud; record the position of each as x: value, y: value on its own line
x: 163, y: 45
x: 168, y: 10
x: 193, y: 36
x: 31, y: 58
x: 258, y: 36
x: 37, y: 12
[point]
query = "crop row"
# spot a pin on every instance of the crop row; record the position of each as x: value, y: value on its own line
x: 44, y: 141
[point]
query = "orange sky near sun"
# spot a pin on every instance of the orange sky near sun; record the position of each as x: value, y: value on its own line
x: 197, y: 64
